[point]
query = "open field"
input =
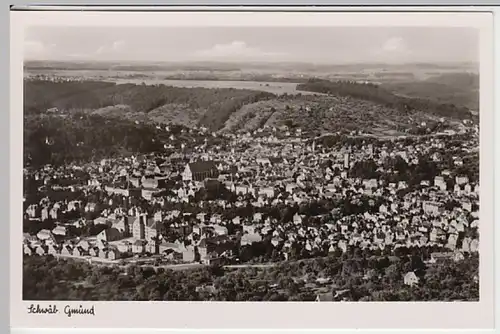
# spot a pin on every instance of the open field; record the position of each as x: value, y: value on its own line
x: 151, y: 78
x: 270, y: 87
x: 276, y: 78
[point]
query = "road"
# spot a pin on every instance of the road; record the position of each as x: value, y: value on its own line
x: 385, y: 137
x: 180, y: 266
x: 86, y: 258
x: 260, y: 265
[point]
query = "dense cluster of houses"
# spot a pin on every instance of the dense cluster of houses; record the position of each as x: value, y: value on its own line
x: 264, y: 169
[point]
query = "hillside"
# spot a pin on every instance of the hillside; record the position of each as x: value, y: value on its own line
x: 349, y: 106
x: 80, y: 137
x: 380, y: 95
x: 460, y: 89
x: 329, y: 114
x: 180, y: 114
x: 212, y: 107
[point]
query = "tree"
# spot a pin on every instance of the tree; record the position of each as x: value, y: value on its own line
x: 393, y: 273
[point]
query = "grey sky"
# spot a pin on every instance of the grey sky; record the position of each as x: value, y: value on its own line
x: 305, y: 44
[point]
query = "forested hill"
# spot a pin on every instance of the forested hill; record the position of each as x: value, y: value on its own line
x: 351, y: 105
x: 461, y: 89
x: 210, y: 107
x: 377, y: 94
x: 81, y: 137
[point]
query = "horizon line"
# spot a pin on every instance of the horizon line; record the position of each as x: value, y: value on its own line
x: 251, y: 62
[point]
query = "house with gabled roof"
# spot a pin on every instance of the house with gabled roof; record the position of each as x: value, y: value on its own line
x: 152, y: 229
x: 79, y: 251
x: 101, y: 221
x: 91, y: 207
x: 139, y: 246
x: 113, y: 253
x: 324, y: 297
x: 45, y: 234
x: 60, y: 230
x: 94, y: 251
x: 41, y: 250
x: 101, y: 244
x: 200, y: 170
x: 250, y: 238
x: 103, y: 253
x: 123, y: 225
x: 30, y: 239
x: 28, y: 250
x: 67, y: 250
x: 85, y: 244
x: 53, y: 249
x: 109, y: 234
x: 297, y: 219
x: 411, y: 279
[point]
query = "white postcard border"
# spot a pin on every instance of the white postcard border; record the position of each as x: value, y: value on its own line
x: 248, y: 314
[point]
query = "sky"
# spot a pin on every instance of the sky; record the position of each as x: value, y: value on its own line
x: 325, y: 45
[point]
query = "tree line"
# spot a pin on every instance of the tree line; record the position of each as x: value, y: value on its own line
x: 361, y: 278
x: 377, y: 94
x: 84, y: 137
x: 40, y: 95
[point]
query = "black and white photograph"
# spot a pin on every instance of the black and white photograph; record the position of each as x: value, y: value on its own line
x: 251, y: 163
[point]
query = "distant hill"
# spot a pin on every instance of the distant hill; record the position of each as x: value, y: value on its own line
x: 460, y: 89
x: 240, y: 66
x: 382, y: 96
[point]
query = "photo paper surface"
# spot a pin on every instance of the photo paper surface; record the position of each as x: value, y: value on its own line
x: 242, y: 162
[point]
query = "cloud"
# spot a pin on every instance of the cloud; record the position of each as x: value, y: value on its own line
x: 236, y: 50
x: 78, y: 56
x: 37, y: 49
x: 115, y: 47
x: 393, y: 49
x: 395, y: 45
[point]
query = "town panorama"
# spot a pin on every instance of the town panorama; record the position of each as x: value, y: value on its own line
x: 209, y: 183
